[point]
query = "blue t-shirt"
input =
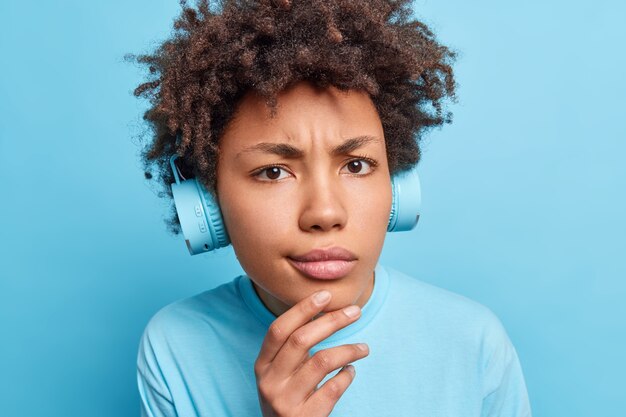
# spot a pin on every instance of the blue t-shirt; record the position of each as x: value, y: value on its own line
x: 433, y: 353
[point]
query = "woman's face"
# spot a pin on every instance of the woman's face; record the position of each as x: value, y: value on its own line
x: 280, y: 202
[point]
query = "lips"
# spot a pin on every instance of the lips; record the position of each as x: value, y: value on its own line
x: 330, y: 254
x: 331, y: 263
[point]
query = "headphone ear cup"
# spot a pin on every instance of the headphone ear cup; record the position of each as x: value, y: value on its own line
x: 215, y: 218
x: 406, y: 201
x: 200, y: 217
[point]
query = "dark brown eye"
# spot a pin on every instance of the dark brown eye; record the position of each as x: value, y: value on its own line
x: 355, y: 166
x: 273, y: 173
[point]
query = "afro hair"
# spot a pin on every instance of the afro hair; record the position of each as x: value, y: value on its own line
x: 218, y: 52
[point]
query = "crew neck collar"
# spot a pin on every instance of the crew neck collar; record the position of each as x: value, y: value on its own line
x: 368, y: 312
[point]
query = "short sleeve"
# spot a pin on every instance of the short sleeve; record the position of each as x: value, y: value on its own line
x: 156, y: 400
x: 504, y: 388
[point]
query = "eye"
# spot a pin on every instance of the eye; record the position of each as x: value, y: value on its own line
x: 272, y: 173
x: 355, y: 166
x: 359, y: 167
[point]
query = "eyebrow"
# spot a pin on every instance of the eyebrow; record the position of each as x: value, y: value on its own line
x: 291, y: 152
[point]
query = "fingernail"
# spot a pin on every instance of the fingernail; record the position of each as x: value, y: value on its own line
x: 321, y: 297
x: 350, y: 369
x: 362, y: 346
x: 351, y: 311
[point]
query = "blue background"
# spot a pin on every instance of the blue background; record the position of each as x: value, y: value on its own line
x: 523, y: 199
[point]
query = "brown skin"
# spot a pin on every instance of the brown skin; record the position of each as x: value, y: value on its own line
x: 287, y: 377
x: 316, y: 201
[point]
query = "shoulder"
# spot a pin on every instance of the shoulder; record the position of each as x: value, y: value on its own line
x: 190, y: 316
x: 447, y: 312
x: 426, y: 297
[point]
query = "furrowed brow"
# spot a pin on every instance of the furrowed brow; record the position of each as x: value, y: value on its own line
x: 291, y: 152
x: 353, y: 144
x: 281, y: 149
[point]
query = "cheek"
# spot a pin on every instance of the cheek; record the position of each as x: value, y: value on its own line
x: 370, y: 208
x: 259, y: 223
x: 258, y: 237
x: 254, y: 227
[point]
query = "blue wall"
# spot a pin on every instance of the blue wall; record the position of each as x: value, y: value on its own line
x: 523, y: 199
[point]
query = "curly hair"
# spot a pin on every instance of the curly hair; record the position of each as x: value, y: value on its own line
x: 214, y: 57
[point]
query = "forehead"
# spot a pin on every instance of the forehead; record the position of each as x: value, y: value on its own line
x: 304, y: 113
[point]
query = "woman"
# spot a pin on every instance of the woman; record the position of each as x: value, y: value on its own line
x: 294, y: 117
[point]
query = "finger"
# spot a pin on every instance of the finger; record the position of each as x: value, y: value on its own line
x: 296, y: 349
x: 325, y: 398
x: 281, y: 328
x: 324, y: 362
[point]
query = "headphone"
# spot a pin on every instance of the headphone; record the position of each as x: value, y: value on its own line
x: 204, y: 230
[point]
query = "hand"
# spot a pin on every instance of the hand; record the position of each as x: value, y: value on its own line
x: 287, y: 376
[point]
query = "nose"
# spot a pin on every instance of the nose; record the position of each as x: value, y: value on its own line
x: 323, y: 206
